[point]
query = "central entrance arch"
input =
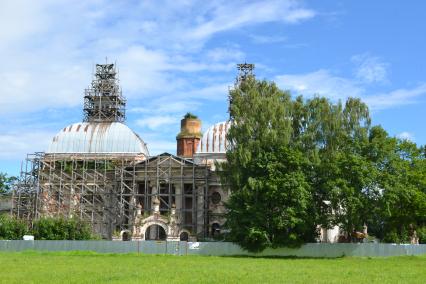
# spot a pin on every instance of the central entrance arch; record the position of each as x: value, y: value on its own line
x: 155, y: 232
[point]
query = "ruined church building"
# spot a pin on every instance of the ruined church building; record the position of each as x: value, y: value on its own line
x: 101, y: 171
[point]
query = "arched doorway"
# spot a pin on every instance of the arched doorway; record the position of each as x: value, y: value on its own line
x: 155, y: 232
x: 184, y: 236
x: 125, y: 236
x: 215, y: 229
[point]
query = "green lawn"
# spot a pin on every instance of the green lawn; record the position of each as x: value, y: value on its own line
x: 87, y: 267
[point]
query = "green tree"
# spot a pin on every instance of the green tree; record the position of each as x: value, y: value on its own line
x: 271, y: 197
x: 403, y: 181
x: 6, y: 182
x: 297, y: 163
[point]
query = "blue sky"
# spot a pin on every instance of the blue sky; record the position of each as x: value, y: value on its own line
x: 179, y: 56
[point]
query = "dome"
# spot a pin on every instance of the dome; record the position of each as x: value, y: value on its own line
x: 214, y: 139
x: 97, y: 138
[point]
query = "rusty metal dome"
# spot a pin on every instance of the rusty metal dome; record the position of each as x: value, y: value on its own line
x: 214, y: 139
x: 97, y: 138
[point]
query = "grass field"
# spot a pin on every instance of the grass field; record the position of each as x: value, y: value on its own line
x: 87, y: 267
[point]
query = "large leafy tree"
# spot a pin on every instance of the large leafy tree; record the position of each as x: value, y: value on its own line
x: 294, y: 164
x: 271, y: 202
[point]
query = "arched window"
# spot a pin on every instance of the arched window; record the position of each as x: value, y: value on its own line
x: 125, y: 236
x: 216, y: 197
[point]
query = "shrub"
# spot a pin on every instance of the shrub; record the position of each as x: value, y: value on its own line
x: 49, y: 228
x: 393, y: 236
x: 421, y: 233
x: 12, y: 228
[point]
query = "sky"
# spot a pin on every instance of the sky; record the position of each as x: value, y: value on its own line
x: 179, y: 56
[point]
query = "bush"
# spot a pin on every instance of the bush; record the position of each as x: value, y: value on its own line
x: 49, y: 228
x: 12, y: 228
x: 421, y: 233
x: 393, y: 236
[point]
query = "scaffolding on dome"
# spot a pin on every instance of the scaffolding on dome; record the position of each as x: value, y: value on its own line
x: 103, y: 100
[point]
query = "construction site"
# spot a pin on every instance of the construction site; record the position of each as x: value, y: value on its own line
x: 100, y: 171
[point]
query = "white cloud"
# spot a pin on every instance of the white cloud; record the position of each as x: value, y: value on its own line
x: 213, y: 92
x: 164, y: 105
x: 18, y: 144
x: 406, y: 136
x: 324, y: 83
x: 395, y: 98
x: 225, y: 54
x: 370, y: 69
x: 154, y: 122
x: 230, y: 15
x: 320, y: 82
x: 262, y: 39
x: 19, y: 19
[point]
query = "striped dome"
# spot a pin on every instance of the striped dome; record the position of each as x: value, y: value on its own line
x: 97, y: 138
x: 214, y: 139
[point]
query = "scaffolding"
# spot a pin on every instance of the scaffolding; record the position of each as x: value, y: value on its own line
x: 106, y: 190
x: 245, y: 70
x: 103, y: 100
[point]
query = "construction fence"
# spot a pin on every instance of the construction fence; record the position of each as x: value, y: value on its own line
x: 216, y: 248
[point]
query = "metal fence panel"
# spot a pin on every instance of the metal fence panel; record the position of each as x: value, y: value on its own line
x: 214, y: 248
x: 153, y: 247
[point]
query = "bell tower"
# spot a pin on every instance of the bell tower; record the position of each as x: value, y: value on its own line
x: 189, y: 136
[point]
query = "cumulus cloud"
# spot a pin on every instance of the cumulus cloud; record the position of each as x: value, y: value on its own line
x: 321, y: 82
x: 370, y: 69
x: 397, y: 97
x: 325, y: 83
x: 18, y: 144
x: 230, y: 15
x: 154, y: 122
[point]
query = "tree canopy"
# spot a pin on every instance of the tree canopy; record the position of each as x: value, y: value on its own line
x: 294, y: 164
x: 6, y: 183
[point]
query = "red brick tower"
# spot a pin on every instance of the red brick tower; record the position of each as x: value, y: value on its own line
x: 189, y: 136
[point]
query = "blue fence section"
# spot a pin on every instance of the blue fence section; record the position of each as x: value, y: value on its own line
x: 215, y: 248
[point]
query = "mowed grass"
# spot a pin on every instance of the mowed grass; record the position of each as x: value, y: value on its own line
x: 87, y: 267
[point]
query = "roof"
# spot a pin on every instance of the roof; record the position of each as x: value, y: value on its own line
x: 181, y: 160
x: 97, y: 138
x: 214, y: 139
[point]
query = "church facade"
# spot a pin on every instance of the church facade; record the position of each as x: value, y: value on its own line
x: 100, y: 171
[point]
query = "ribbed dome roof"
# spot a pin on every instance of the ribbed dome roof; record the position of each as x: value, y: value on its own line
x: 97, y: 138
x: 214, y: 139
